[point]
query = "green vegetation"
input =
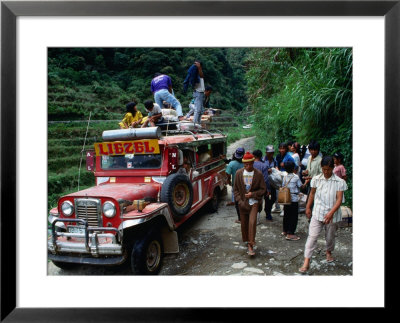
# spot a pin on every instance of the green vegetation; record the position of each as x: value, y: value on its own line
x: 286, y: 93
x: 103, y: 80
x: 302, y: 94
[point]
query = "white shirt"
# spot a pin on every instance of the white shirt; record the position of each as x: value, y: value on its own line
x: 156, y: 110
x: 294, y: 183
x: 199, y: 87
x: 248, y: 179
x: 325, y: 196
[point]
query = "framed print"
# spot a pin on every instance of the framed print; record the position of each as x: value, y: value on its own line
x: 247, y: 24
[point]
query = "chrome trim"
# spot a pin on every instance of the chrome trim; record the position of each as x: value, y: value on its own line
x: 114, y: 211
x: 70, y: 204
x: 90, y: 245
x: 89, y: 209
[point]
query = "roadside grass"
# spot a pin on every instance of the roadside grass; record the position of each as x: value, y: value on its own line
x: 235, y: 134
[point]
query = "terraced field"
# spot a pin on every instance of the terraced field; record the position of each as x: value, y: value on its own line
x: 65, y: 144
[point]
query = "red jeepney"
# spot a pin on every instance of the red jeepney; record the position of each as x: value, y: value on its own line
x: 147, y: 183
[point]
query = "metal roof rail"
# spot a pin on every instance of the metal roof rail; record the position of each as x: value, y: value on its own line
x: 177, y: 132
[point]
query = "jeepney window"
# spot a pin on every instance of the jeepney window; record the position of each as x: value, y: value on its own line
x: 204, y: 153
x: 217, y: 149
x: 131, y: 161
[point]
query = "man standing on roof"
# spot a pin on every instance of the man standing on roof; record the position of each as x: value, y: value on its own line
x: 161, y: 87
x: 206, y: 103
x: 195, y: 78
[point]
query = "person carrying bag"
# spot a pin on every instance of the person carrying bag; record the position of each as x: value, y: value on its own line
x: 288, y: 195
x: 284, y: 196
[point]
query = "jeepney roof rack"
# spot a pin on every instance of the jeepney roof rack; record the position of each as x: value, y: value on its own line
x: 193, y: 133
x: 178, y: 132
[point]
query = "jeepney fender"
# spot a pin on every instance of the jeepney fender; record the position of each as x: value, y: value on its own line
x: 159, y: 209
x: 168, y: 234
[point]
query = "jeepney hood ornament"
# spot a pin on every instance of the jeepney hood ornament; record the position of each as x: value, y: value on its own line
x: 120, y: 191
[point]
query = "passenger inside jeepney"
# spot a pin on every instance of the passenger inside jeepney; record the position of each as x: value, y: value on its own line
x: 204, y: 153
x: 185, y: 165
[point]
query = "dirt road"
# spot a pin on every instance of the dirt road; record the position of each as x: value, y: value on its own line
x: 210, y: 244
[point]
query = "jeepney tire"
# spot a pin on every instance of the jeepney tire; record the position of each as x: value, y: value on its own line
x: 147, y: 254
x: 65, y: 265
x: 177, y: 191
x: 214, y: 202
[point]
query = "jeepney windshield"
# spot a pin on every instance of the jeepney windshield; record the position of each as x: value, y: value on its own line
x: 131, y: 161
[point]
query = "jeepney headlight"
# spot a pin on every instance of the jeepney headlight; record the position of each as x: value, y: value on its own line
x: 109, y: 209
x: 67, y: 208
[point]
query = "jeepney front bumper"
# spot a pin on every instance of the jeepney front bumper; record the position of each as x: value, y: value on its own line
x: 86, y: 242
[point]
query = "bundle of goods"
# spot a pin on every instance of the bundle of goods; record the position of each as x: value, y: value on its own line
x: 169, y: 115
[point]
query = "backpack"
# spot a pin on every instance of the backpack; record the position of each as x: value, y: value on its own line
x: 284, y: 196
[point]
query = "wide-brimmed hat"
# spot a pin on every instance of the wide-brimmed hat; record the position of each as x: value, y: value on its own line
x: 239, y: 152
x: 269, y: 149
x: 248, y: 157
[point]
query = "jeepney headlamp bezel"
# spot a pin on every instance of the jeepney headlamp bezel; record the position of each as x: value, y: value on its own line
x: 109, y: 209
x: 67, y: 208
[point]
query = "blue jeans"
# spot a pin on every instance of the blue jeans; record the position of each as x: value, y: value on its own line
x: 164, y: 95
x: 191, y: 111
x: 198, y: 106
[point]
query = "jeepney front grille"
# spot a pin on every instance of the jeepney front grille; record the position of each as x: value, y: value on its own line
x: 89, y: 210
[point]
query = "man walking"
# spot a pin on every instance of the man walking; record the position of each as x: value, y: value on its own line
x: 249, y: 189
x: 161, y: 87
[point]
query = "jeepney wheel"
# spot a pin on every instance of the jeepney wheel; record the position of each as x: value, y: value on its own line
x: 147, y: 255
x: 177, y: 191
x: 65, y: 265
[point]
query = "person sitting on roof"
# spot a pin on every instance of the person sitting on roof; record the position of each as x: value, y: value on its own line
x: 154, y: 114
x: 132, y: 118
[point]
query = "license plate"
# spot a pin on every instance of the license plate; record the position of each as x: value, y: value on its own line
x: 76, y: 229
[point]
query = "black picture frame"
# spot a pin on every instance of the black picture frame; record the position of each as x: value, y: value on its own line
x: 10, y: 10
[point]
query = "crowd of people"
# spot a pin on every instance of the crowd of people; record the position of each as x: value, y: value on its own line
x: 161, y: 87
x: 300, y: 169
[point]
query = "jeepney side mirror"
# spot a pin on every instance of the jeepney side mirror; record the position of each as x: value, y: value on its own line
x: 90, y: 158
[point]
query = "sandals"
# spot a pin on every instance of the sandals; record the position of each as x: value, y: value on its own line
x: 295, y: 238
x: 251, y: 251
x: 303, y: 270
x: 329, y: 259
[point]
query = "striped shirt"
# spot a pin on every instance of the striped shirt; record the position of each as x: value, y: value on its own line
x: 294, y: 185
x: 325, y: 196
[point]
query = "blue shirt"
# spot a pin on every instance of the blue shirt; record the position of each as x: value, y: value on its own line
x: 286, y: 158
x: 269, y: 164
x: 192, y: 78
x: 232, y: 168
x: 263, y: 168
x: 161, y: 82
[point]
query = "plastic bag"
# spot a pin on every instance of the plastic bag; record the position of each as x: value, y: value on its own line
x: 275, y: 178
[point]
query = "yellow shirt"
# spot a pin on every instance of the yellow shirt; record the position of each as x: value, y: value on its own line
x: 128, y: 119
